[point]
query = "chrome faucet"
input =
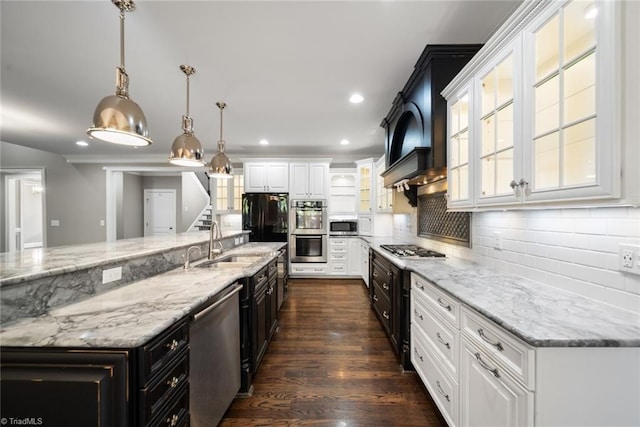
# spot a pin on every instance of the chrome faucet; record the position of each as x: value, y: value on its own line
x: 186, y: 258
x: 214, y: 237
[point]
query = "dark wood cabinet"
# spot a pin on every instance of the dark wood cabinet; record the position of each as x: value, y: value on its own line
x: 61, y: 388
x: 389, y: 294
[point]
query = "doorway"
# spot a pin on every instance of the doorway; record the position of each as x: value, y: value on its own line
x: 159, y: 212
x: 24, y: 219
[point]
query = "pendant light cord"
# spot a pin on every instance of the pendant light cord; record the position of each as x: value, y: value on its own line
x: 221, y: 108
x: 187, y: 95
x: 122, y: 39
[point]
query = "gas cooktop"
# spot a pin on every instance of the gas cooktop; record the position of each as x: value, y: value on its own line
x: 411, y: 251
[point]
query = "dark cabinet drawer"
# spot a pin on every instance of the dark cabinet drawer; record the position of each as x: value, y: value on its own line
x: 260, y: 278
x: 164, y: 387
x: 382, y: 307
x: 383, y: 278
x: 176, y: 414
x: 272, y: 269
x: 160, y: 352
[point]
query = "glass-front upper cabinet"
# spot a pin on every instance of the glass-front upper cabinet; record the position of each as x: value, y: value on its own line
x: 570, y: 118
x: 365, y: 185
x: 499, y: 127
x: 228, y: 194
x: 459, y: 174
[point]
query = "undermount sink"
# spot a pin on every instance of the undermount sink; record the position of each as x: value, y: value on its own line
x: 233, y: 261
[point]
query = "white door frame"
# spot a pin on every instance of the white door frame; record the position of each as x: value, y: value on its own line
x: 9, y: 194
x: 147, y: 192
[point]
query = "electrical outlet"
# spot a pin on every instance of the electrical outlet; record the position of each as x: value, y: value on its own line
x: 629, y: 258
x: 111, y: 275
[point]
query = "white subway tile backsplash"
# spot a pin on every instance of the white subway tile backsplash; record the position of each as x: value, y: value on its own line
x: 573, y: 249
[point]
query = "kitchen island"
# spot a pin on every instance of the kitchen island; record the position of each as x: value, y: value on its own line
x: 129, y: 344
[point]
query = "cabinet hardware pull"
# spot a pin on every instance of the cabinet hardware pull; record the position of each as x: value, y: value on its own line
x: 443, y: 342
x: 497, y: 345
x: 418, y: 315
x: 172, y: 345
x: 375, y: 298
x: 443, y: 304
x: 375, y: 274
x: 421, y: 287
x: 173, y: 382
x: 173, y: 420
x: 482, y: 363
x: 389, y: 273
x: 385, y: 314
x: 415, y: 350
x: 441, y: 391
x: 385, y: 286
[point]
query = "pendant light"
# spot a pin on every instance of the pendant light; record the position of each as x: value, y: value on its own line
x: 220, y: 165
x: 117, y: 119
x: 186, y: 149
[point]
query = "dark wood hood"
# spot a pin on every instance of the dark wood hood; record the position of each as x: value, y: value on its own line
x: 416, y: 125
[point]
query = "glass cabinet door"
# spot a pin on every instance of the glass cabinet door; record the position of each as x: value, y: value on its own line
x: 459, y: 173
x: 564, y: 90
x: 365, y: 188
x: 497, y: 131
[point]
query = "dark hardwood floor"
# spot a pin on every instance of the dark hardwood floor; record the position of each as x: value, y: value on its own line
x: 330, y: 364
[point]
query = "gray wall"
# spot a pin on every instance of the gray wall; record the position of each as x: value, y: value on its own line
x: 133, y: 207
x: 74, y: 194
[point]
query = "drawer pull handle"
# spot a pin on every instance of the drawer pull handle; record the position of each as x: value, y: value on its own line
x: 172, y: 345
x: 173, y: 420
x: 375, y: 274
x: 482, y: 363
x: 444, y: 304
x: 497, y: 345
x: 375, y: 298
x: 421, y: 287
x: 385, y: 286
x: 389, y: 273
x: 418, y: 315
x: 441, y: 391
x: 443, y: 342
x: 385, y: 314
x: 415, y: 350
x: 173, y: 382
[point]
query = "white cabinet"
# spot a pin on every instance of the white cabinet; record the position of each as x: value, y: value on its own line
x: 534, y: 117
x: 364, y: 261
x: 479, y: 374
x: 365, y: 186
x: 227, y: 194
x: 488, y: 395
x: 266, y: 177
x: 353, y: 257
x: 344, y: 256
x: 384, y: 196
x: 309, y: 180
x: 342, y: 192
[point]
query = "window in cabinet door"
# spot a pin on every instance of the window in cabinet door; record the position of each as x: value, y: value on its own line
x: 565, y: 100
x: 459, y: 149
x: 497, y: 127
x: 222, y: 195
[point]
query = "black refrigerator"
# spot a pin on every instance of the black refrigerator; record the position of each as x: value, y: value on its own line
x: 266, y: 216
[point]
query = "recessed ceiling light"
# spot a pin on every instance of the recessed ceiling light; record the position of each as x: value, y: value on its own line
x: 264, y: 142
x: 82, y: 143
x: 356, y: 98
x: 344, y: 142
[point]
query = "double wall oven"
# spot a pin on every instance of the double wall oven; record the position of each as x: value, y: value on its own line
x: 308, y: 225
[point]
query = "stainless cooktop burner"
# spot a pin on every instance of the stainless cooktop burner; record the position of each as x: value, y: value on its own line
x: 413, y: 251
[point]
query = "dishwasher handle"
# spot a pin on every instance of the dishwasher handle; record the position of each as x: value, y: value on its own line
x: 199, y: 315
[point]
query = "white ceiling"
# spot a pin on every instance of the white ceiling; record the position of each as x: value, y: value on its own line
x: 285, y: 69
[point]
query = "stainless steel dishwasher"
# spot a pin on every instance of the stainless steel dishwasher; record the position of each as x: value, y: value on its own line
x: 214, y: 358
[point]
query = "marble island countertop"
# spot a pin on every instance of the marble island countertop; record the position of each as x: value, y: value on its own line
x: 538, y: 314
x: 131, y: 315
x: 31, y: 264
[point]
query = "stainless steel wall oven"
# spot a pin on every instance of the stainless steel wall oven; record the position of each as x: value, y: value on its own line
x: 309, y: 248
x: 308, y: 217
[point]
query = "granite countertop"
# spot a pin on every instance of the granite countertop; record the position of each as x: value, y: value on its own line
x: 31, y: 264
x: 132, y: 315
x: 538, y: 314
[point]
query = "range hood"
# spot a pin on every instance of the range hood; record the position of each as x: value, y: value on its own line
x: 416, y: 125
